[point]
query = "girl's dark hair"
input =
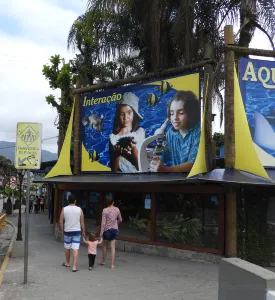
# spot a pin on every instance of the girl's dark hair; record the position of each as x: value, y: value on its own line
x: 117, y: 124
x: 110, y: 201
x: 92, y: 237
x: 191, y: 106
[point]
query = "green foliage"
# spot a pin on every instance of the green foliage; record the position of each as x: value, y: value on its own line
x: 59, y: 75
x: 257, y: 246
x: 180, y: 229
x: 255, y: 236
x: 140, y: 224
x: 7, y: 191
x: 6, y: 166
x: 169, y: 230
x: 52, y: 71
x: 64, y: 78
x: 218, y: 137
x: 172, y: 33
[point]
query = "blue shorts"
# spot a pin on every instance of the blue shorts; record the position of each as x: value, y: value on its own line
x: 72, y: 240
x: 110, y: 234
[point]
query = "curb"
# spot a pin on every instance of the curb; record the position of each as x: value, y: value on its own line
x: 8, y: 254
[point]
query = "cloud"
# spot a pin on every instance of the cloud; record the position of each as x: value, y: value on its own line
x: 30, y: 32
x: 36, y: 30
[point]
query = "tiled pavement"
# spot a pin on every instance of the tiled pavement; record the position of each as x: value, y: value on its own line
x: 5, y: 239
x: 137, y: 276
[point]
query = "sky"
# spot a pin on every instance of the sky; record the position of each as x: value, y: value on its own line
x: 30, y: 32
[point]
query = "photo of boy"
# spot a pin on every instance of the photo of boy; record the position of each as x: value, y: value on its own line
x: 183, y: 138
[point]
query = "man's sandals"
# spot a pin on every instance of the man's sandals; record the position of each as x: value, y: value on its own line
x: 68, y: 266
x: 65, y: 265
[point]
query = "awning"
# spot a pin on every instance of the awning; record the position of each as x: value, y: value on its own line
x: 221, y: 176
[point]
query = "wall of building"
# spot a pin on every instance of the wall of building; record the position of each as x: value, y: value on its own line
x: 156, y: 250
x: 239, y: 280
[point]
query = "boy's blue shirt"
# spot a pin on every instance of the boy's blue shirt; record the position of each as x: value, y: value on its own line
x: 182, y: 149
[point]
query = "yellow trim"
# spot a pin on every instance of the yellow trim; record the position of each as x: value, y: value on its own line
x: 189, y: 82
x: 199, y: 166
x: 88, y: 165
x: 8, y: 253
x: 63, y: 165
x: 246, y: 158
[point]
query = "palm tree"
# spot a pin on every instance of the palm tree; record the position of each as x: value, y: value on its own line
x: 173, y: 32
x: 170, y: 33
x: 258, y: 14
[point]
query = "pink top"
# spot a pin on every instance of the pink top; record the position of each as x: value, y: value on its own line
x: 92, y: 246
x: 111, y: 217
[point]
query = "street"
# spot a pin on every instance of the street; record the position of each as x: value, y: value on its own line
x: 137, y: 276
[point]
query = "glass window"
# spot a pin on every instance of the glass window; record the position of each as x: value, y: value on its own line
x: 187, y: 219
x: 135, y: 210
x: 90, y: 202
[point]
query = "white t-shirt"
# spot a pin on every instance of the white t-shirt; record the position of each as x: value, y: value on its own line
x: 124, y: 164
x: 72, y: 218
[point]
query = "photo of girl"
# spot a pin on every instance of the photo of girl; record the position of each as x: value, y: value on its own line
x: 127, y: 135
x: 183, y: 138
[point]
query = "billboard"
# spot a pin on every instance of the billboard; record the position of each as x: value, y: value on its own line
x: 152, y: 127
x: 257, y: 83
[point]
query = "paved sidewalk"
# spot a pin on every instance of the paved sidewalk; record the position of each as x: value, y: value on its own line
x: 5, y: 239
x: 137, y: 276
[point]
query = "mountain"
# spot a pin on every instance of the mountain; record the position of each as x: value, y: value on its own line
x: 7, y: 149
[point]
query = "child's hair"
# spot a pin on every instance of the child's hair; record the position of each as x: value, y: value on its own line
x: 191, y: 106
x: 117, y: 124
x: 92, y: 237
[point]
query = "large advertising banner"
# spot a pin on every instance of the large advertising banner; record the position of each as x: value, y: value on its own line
x: 152, y: 127
x: 257, y: 83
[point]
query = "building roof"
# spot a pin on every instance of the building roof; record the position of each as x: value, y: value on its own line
x: 225, y: 176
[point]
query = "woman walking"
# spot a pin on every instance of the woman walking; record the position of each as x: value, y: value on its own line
x: 111, y: 217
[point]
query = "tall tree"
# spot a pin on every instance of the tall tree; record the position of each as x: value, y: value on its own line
x: 59, y: 75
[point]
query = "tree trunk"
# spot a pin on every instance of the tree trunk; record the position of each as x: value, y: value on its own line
x: 229, y: 130
x: 61, y: 130
x: 247, y: 12
x: 77, y: 133
x: 229, y: 146
x: 207, y: 96
x: 60, y: 135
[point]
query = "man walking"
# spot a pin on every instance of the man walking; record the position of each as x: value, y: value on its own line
x: 73, y: 219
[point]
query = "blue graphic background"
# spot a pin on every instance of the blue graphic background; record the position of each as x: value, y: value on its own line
x: 257, y: 98
x: 153, y: 116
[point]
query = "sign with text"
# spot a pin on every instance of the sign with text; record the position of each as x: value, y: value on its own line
x: 150, y: 127
x: 28, y: 146
x: 13, y: 182
x: 257, y: 83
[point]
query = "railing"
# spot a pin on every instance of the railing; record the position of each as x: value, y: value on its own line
x: 2, y: 221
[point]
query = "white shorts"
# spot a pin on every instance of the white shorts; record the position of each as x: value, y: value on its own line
x: 72, y: 240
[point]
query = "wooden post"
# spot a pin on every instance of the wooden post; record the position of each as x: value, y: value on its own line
x: 229, y: 146
x: 230, y: 225
x: 77, y: 109
x: 153, y: 221
x: 55, y: 203
x: 207, y: 96
x: 140, y: 78
x: 229, y: 130
x: 250, y: 51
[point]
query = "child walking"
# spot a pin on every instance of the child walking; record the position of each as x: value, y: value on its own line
x: 92, y: 247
